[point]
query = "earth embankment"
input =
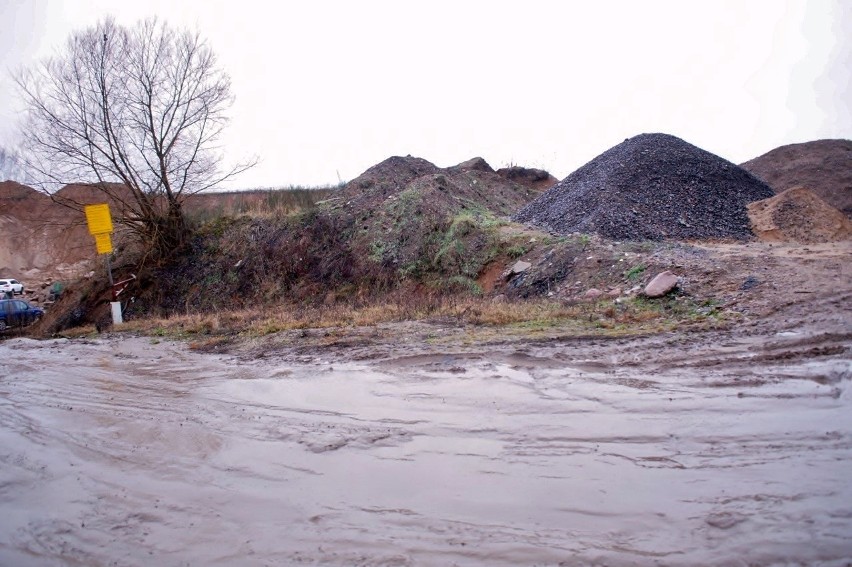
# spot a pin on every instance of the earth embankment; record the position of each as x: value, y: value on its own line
x: 823, y: 166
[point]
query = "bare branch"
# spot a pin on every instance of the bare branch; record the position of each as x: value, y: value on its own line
x: 137, y: 113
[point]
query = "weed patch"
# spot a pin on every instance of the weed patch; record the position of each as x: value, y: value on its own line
x: 635, y: 273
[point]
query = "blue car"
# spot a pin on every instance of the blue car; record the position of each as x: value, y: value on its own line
x: 17, y: 313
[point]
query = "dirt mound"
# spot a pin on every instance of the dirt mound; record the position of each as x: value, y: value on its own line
x: 651, y: 187
x: 476, y: 164
x: 823, y: 166
x: 536, y: 179
x: 798, y: 215
x: 469, y: 184
x: 427, y: 220
x: 387, y: 177
x: 404, y: 223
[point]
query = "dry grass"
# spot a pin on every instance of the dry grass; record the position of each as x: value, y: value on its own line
x: 256, y: 203
x: 634, y: 315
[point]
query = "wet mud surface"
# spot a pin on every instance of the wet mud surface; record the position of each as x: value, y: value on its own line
x: 713, y: 448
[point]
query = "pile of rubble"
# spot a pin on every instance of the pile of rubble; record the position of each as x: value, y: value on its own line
x: 651, y: 187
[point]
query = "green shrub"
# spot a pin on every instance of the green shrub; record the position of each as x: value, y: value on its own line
x: 634, y: 273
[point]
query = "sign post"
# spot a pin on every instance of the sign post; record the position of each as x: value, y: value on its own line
x: 100, y: 226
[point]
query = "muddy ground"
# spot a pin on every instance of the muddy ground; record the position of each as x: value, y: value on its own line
x: 432, y: 444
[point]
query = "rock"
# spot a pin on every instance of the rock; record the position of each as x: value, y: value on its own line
x: 725, y: 520
x: 593, y: 293
x: 499, y: 299
x: 613, y: 293
x: 662, y: 284
x: 518, y: 267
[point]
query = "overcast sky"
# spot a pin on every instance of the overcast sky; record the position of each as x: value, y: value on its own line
x: 325, y: 90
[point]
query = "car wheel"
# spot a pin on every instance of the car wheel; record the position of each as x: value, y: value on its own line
x: 2, y: 326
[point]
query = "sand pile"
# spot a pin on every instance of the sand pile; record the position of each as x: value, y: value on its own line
x: 823, y: 166
x: 798, y: 215
x: 651, y: 187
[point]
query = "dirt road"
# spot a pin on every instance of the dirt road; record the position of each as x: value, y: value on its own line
x: 712, y: 448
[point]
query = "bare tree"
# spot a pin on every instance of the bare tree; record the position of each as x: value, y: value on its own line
x: 137, y: 112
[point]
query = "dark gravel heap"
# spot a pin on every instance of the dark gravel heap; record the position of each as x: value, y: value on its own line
x: 651, y: 187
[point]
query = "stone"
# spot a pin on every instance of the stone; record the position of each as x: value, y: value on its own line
x: 593, y: 293
x: 725, y: 520
x: 662, y: 284
x: 518, y: 267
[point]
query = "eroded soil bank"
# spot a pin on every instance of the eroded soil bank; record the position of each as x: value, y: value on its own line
x: 715, y: 447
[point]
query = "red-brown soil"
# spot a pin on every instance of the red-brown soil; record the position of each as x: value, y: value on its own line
x: 823, y: 166
x: 798, y: 215
x: 537, y: 179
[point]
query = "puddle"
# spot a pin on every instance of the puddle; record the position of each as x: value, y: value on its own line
x: 122, y: 452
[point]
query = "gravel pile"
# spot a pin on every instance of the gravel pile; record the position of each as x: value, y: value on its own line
x: 651, y: 187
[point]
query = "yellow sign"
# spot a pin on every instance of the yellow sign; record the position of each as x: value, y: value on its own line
x: 103, y: 242
x: 99, y: 220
